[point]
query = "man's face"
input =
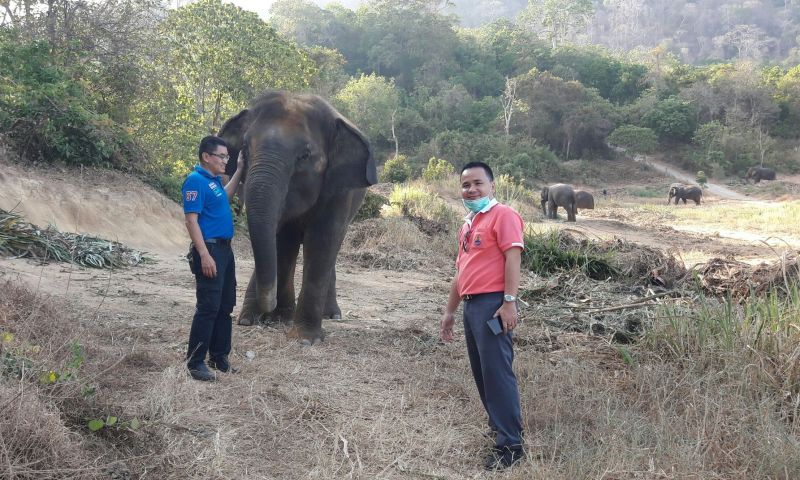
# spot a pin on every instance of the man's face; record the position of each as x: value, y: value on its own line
x: 215, y: 162
x: 475, y: 184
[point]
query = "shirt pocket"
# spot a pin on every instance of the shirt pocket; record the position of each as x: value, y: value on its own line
x: 477, y: 239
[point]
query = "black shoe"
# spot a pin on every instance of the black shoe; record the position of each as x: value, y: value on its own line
x: 222, y: 365
x: 202, y: 373
x: 502, y: 458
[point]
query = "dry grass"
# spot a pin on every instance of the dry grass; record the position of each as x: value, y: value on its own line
x: 382, y: 398
x: 758, y: 218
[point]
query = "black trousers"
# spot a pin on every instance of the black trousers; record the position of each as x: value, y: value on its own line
x: 212, y: 324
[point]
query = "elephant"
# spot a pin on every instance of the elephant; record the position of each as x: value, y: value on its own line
x: 584, y: 200
x: 307, y: 171
x: 759, y: 173
x: 558, y: 195
x: 681, y: 192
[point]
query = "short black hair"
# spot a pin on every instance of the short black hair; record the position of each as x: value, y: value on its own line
x: 208, y: 144
x: 482, y: 165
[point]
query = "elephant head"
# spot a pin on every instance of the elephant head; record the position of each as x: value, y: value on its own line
x: 301, y: 153
x: 543, y: 197
x: 674, y: 191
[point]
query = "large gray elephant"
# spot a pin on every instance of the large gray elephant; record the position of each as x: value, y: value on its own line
x: 759, y: 173
x: 583, y: 200
x: 558, y: 195
x: 681, y: 192
x: 307, y: 172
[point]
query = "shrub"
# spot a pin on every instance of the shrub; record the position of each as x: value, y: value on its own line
x: 371, y: 208
x: 396, y: 170
x: 418, y: 202
x: 437, y: 169
x: 47, y: 109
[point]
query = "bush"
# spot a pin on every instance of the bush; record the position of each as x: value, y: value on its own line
x: 48, y: 112
x: 418, y: 202
x: 396, y: 170
x: 437, y: 169
x: 371, y: 208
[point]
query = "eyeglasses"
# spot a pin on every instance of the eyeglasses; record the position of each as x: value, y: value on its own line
x: 465, y: 241
x: 222, y: 156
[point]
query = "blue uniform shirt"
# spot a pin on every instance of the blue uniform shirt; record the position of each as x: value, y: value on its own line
x: 204, y: 194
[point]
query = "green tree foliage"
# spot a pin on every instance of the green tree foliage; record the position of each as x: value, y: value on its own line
x: 672, y: 119
x: 47, y: 110
x: 567, y: 116
x: 437, y: 169
x: 557, y: 20
x: 369, y: 102
x: 701, y: 178
x: 396, y: 170
x: 634, y: 139
x: 215, y: 58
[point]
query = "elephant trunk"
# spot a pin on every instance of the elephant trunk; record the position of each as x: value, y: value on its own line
x: 265, y: 192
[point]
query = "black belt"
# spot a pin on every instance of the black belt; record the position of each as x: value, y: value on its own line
x: 218, y: 241
x: 476, y: 295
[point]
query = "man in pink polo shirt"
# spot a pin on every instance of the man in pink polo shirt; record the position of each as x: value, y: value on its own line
x: 487, y: 279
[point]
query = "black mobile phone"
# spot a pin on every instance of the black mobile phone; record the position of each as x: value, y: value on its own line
x: 495, y: 326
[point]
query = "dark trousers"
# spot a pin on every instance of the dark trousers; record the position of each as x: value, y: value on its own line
x: 491, y: 357
x: 216, y: 297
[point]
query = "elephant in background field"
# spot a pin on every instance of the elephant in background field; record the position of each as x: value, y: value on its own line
x: 681, y: 192
x: 307, y: 172
x: 558, y: 195
x: 759, y: 173
x: 583, y: 200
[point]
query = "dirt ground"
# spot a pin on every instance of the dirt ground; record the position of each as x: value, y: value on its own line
x: 343, y: 397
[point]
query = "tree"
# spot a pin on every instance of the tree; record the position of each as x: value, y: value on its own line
x: 215, y: 58
x: 701, y: 178
x: 508, y: 99
x: 369, y: 102
x: 637, y: 140
x: 557, y: 20
x: 671, y: 118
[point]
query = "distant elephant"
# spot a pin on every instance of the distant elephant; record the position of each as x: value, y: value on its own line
x: 308, y: 168
x: 559, y: 195
x: 760, y: 173
x: 584, y: 200
x: 681, y: 192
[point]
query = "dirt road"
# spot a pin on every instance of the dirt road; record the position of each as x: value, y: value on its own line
x: 715, y: 189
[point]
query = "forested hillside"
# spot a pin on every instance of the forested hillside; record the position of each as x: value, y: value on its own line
x: 130, y: 84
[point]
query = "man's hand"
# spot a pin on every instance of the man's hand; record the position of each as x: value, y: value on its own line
x: 446, y: 327
x: 508, y: 316
x: 240, y: 160
x: 208, y: 265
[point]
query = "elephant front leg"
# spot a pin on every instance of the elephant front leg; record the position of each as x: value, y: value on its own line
x: 288, y: 247
x: 250, y: 313
x: 332, y: 309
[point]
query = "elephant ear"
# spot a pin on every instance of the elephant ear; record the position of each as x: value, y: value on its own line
x: 350, y: 161
x: 232, y: 132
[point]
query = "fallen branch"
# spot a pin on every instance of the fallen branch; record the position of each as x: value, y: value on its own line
x: 639, y: 303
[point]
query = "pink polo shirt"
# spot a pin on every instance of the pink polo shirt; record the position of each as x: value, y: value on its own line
x: 492, y: 231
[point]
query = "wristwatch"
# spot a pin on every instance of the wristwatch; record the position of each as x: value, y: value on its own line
x: 509, y: 298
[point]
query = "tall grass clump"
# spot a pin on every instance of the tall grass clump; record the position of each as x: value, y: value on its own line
x: 548, y: 252
x: 757, y: 343
x: 418, y: 201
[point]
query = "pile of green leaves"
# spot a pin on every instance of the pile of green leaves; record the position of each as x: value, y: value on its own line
x: 24, y: 240
x: 552, y: 251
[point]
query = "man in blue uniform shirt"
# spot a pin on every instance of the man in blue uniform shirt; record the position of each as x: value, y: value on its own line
x: 210, y: 225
